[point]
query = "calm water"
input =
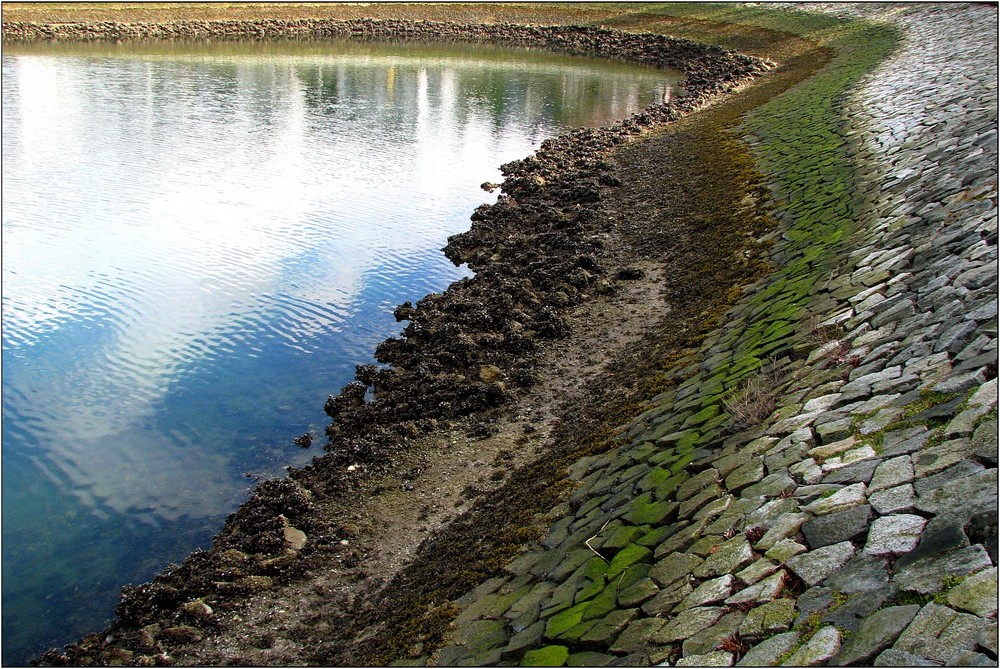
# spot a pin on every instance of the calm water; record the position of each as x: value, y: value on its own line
x: 199, y: 245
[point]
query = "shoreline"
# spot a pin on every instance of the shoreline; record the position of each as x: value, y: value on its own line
x: 668, y: 472
x: 364, y: 435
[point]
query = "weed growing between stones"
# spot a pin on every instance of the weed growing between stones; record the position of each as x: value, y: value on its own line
x: 756, y: 398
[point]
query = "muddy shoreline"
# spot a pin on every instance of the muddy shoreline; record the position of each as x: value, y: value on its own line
x: 466, y: 356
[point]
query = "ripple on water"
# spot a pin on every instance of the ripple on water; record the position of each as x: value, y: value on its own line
x: 198, y: 247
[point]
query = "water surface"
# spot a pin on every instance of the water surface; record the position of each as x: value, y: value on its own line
x: 200, y: 242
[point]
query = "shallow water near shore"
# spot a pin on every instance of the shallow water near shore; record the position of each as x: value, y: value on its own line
x: 200, y: 242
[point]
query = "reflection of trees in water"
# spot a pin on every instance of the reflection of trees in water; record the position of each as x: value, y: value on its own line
x: 503, y: 93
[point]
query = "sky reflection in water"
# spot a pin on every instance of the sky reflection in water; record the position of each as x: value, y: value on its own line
x: 199, y: 244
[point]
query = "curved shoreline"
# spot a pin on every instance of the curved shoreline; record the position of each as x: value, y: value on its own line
x: 794, y: 539
x: 437, y: 375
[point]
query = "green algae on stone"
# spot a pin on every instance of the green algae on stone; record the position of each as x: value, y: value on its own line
x: 549, y: 656
x: 628, y: 556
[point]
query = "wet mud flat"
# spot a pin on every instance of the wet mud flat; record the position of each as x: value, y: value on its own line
x: 565, y: 256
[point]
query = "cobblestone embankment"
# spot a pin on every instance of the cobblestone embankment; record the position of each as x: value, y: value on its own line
x: 857, y: 522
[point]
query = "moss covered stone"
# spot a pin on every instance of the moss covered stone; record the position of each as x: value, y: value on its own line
x: 549, y: 656
x: 630, y: 555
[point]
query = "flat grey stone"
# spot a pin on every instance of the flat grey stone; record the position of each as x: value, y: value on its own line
x: 758, y: 569
x: 845, y: 498
x: 976, y: 594
x: 972, y: 494
x: 745, y: 475
x: 784, y: 550
x: 836, y: 527
x: 665, y: 600
x: 964, y: 423
x: 768, y: 652
x: 862, y: 573
x: 637, y: 635
x: 906, y: 440
x: 673, y: 568
x: 816, y: 565
x: 942, y: 534
x: 608, y: 628
x: 697, y: 484
x: 984, y: 442
x: 717, y: 658
x: 971, y: 659
x: 834, y: 430
x: 823, y: 645
x: 899, y: 658
x: 762, y: 591
x: 891, y: 473
x: 934, y: 459
x: 877, y: 633
x: 530, y: 637
x: 939, y: 633
x: 773, y: 485
x: 849, y: 615
x: 855, y: 471
x: 589, y: 658
x: 893, y: 500
x: 806, y: 471
x: 767, y: 620
x: 713, y: 590
x: 814, y: 600
x: 786, y: 525
x: 988, y: 638
x: 708, y: 639
x: 637, y: 593
x: 765, y: 515
x: 728, y: 558
x: 688, y: 623
x: 894, y: 534
x: 960, y: 470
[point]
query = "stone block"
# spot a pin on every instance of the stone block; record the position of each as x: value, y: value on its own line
x: 785, y: 550
x: 863, y: 573
x: 767, y: 620
x: 745, y: 475
x: 939, y: 633
x: 899, y: 658
x: 637, y: 635
x: 606, y: 630
x: 893, y: 500
x: 877, y: 633
x: 970, y: 495
x: 728, y: 558
x: 688, y: 623
x: 976, y: 594
x: 891, y: 473
x: 834, y: 528
x: 816, y: 565
x: 768, y: 652
x: 708, y: 639
x: 894, y: 534
x: 845, y: 498
x: 709, y: 592
x: 674, y: 567
x: 823, y: 645
x: 939, y: 457
x: 717, y: 658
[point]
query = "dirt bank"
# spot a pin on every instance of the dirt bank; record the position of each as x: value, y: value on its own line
x: 494, y: 389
